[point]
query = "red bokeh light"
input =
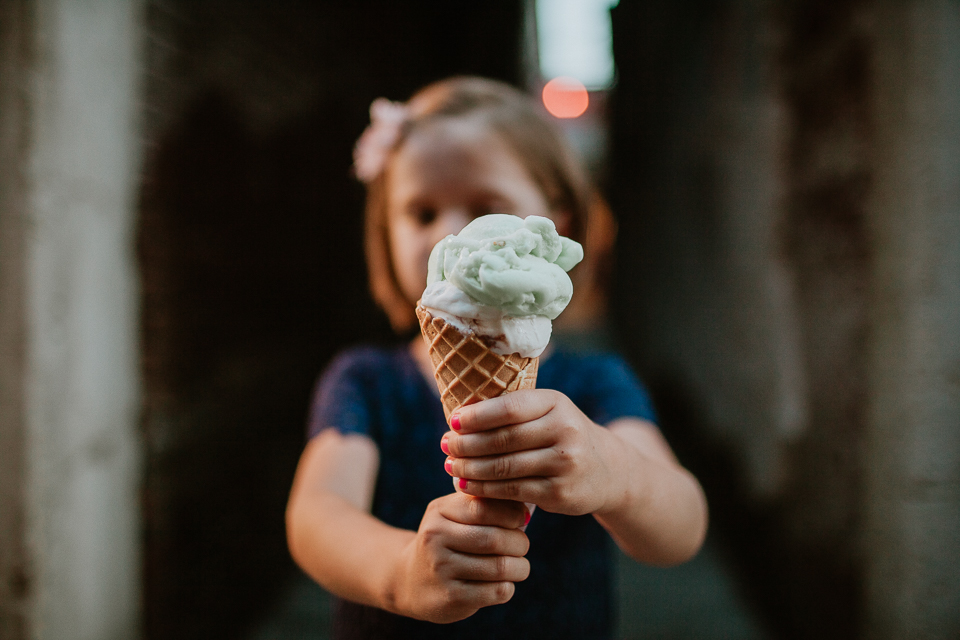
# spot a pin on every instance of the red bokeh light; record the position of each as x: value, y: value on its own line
x: 565, y: 97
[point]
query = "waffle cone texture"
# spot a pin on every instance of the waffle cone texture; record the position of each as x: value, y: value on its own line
x: 466, y: 369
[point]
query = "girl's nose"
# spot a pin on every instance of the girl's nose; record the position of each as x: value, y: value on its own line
x: 453, y: 220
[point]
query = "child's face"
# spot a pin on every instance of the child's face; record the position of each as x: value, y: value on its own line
x: 443, y: 177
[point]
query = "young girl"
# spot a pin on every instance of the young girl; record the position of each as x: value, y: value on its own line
x: 413, y: 524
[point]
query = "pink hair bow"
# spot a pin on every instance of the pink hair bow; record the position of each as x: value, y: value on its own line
x: 370, y: 153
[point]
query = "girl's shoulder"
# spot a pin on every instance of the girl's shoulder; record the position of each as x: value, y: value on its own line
x: 359, y: 384
x: 367, y: 372
x: 369, y: 360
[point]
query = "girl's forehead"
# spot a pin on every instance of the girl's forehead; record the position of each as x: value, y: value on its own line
x: 454, y: 140
x: 458, y: 151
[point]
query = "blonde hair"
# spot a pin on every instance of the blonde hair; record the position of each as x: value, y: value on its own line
x: 537, y: 144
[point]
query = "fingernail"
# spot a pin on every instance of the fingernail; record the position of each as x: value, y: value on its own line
x: 462, y: 483
x: 444, y: 447
x: 455, y: 422
x: 448, y: 465
x: 526, y: 517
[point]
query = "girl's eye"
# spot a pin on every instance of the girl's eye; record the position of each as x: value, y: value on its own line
x: 424, y: 216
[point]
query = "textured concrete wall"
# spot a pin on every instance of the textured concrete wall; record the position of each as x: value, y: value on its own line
x: 13, y: 557
x: 913, y: 440
x: 786, y: 177
x: 736, y: 158
x: 70, y: 336
x: 699, y: 134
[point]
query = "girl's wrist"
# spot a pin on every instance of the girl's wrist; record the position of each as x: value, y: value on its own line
x: 620, y: 484
x: 390, y: 594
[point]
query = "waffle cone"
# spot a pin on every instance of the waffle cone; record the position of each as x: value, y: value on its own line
x: 466, y: 369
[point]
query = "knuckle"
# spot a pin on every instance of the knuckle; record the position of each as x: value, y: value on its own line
x: 512, y: 407
x: 477, y: 510
x: 432, y: 530
x: 450, y: 595
x: 570, y: 499
x: 563, y: 493
x: 501, y: 440
x: 502, y: 567
x: 429, y: 535
x: 504, y: 591
x: 511, y: 490
x: 460, y: 446
x: 434, y: 506
x: 565, y: 457
x: 438, y: 565
x: 455, y: 446
x: 486, y: 541
x: 436, y: 509
x: 502, y: 468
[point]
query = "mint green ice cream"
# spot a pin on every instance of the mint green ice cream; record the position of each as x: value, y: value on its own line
x: 504, y: 277
x: 516, y: 264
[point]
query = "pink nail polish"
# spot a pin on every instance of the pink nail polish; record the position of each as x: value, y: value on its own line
x: 455, y: 422
x: 526, y: 518
x: 444, y: 447
x: 462, y: 483
x: 448, y: 466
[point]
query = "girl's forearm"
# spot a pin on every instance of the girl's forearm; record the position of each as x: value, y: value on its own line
x: 657, y: 513
x: 346, y: 550
x: 330, y: 532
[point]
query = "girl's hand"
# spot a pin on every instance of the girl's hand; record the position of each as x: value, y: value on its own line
x: 467, y: 554
x: 532, y: 446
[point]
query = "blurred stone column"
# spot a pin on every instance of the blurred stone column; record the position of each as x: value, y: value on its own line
x: 913, y: 439
x: 69, y: 374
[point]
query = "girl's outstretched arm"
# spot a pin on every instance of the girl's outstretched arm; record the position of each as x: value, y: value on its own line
x: 330, y: 532
x: 656, y: 495
x: 466, y: 554
x: 537, y: 446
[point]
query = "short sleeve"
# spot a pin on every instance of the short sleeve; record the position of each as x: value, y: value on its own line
x: 344, y: 395
x: 612, y: 391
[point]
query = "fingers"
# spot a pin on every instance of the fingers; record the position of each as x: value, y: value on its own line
x: 538, y: 491
x: 488, y: 541
x: 466, y: 555
x: 485, y: 594
x: 538, y: 462
x: 468, y: 510
x: 535, y: 434
x: 482, y: 527
x: 487, y: 544
x: 492, y: 568
x: 461, y: 598
x: 511, y: 408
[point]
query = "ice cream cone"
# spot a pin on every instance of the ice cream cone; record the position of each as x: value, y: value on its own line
x: 506, y: 278
x: 466, y: 369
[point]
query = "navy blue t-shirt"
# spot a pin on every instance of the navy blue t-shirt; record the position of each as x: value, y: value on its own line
x: 381, y: 394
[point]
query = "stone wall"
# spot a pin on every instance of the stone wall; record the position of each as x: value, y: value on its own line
x: 69, y: 365
x: 912, y: 484
x: 788, y: 229
x: 14, y: 578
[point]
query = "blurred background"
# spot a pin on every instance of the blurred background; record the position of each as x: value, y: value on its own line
x: 180, y: 255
